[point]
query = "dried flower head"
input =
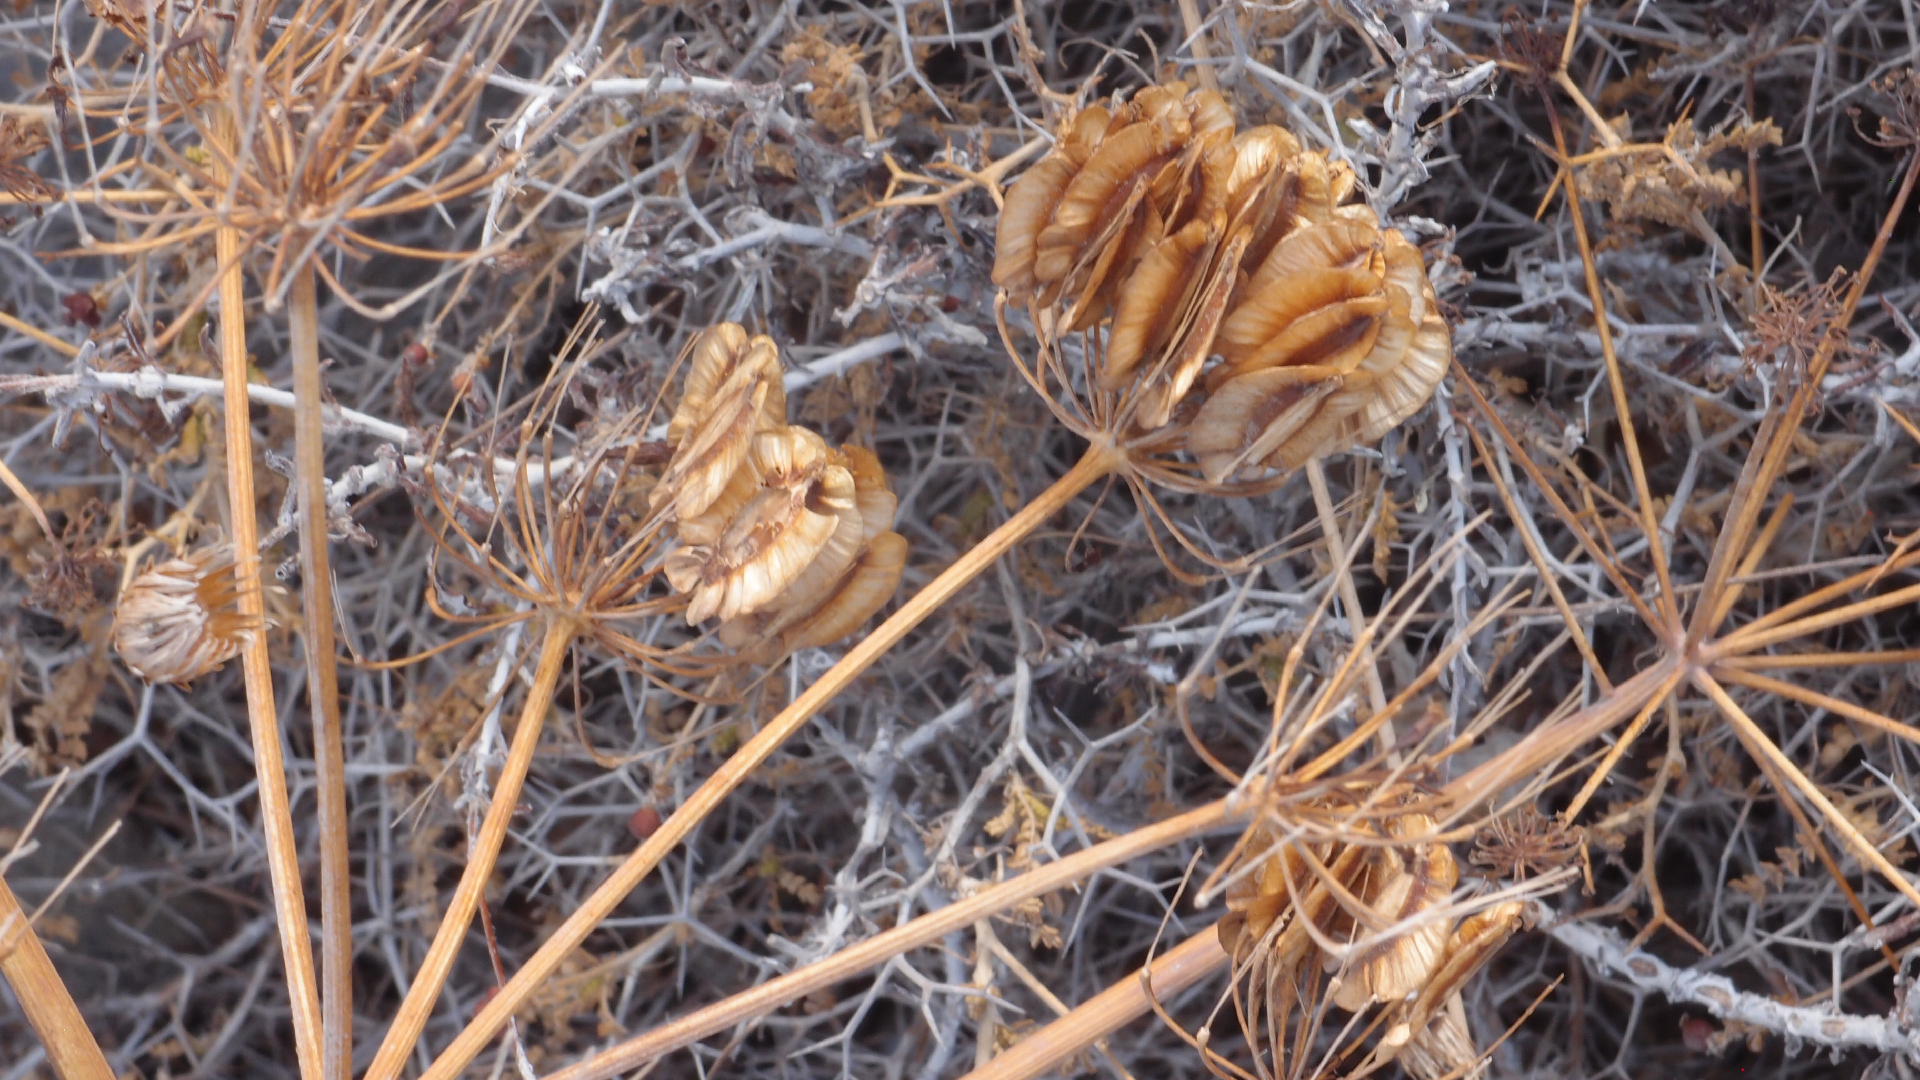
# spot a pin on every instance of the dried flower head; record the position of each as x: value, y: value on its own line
x: 733, y: 391
x: 1366, y: 922
x: 181, y: 619
x: 1673, y: 180
x: 1898, y: 103
x: 1252, y: 321
x: 794, y: 495
x: 853, y: 575
x: 785, y: 539
x: 797, y: 551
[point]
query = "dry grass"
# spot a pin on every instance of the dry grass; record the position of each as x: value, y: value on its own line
x: 1626, y: 613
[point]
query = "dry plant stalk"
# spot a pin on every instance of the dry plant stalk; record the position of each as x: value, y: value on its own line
x: 29, y: 972
x: 780, y: 536
x: 1135, y: 192
x: 925, y: 930
x: 1693, y: 649
x: 299, y: 135
x: 1268, y: 405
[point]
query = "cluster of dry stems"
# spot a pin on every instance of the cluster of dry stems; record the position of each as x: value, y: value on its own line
x: 1189, y: 284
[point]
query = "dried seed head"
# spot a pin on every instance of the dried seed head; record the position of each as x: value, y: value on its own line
x: 733, y: 391
x: 1398, y: 885
x: 1303, y: 894
x: 1085, y: 213
x: 1193, y: 242
x: 787, y: 541
x: 181, y: 619
x: 855, y: 572
x: 774, y: 536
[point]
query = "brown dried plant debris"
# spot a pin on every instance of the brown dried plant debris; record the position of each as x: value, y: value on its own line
x: 1790, y: 326
x: 1671, y: 182
x: 843, y: 100
x: 60, y: 723
x: 180, y: 620
x: 1191, y: 241
x: 1527, y: 843
x: 19, y: 141
x: 788, y: 541
x: 1363, y: 923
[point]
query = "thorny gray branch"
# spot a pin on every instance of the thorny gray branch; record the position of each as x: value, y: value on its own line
x: 1896, y: 1033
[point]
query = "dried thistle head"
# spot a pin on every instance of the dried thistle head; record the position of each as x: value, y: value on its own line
x: 181, y: 619
x: 1237, y: 318
x: 64, y: 581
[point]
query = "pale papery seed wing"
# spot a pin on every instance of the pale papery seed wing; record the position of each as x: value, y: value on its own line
x: 1100, y: 188
x: 1334, y: 245
x: 1259, y: 155
x: 712, y: 522
x: 1149, y: 301
x: 866, y: 588
x: 876, y: 501
x: 716, y: 449
x: 1094, y: 281
x: 1404, y: 390
x: 1253, y: 326
x: 779, y: 559
x: 711, y: 358
x: 1245, y: 422
x: 1029, y: 206
x: 1197, y: 324
x: 1337, y: 336
x: 823, y: 571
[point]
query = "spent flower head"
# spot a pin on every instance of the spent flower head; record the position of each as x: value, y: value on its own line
x: 1206, y: 301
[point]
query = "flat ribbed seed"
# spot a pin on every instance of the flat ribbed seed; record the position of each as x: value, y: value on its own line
x: 1338, y: 336
x: 1099, y: 190
x: 1245, y: 422
x: 1149, y: 299
x: 1333, y: 245
x: 1193, y: 338
x: 1263, y: 316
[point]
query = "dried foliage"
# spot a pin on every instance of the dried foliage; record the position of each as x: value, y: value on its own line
x: 669, y: 333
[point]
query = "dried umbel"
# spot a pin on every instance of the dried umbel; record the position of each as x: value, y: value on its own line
x: 181, y: 619
x: 1363, y: 923
x: 1251, y: 318
x: 785, y: 539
